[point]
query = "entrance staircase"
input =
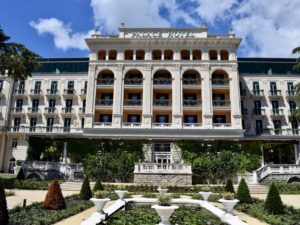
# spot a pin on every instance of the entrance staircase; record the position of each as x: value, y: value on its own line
x: 73, y: 185
x: 255, y: 188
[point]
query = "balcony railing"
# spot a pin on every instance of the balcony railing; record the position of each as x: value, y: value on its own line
x: 18, y: 110
x: 69, y: 92
x: 34, y: 110
x: 259, y: 112
x: 83, y: 92
x: 132, y: 102
x: 35, y: 92
x: 41, y: 130
x: 81, y: 110
x: 291, y: 93
x: 161, y: 125
x: 68, y: 110
x: 220, y: 82
x: 276, y: 131
x: 162, y: 102
x: 190, y: 81
x: 20, y: 92
x: 52, y: 92
x: 104, y: 102
x: 221, y: 103
x: 291, y: 111
x: 50, y: 110
x: 277, y: 112
x: 102, y: 124
x: 169, y: 168
x: 222, y: 125
x: 162, y: 81
x: 191, y: 125
x: 133, y: 81
x: 131, y: 125
x: 257, y: 93
x: 192, y: 102
x: 275, y: 93
x: 105, y: 81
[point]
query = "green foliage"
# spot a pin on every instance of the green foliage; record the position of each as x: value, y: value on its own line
x: 137, y: 215
x: 229, y: 186
x: 3, y: 206
x: 291, y: 216
x: 100, y: 194
x: 149, y: 195
x: 78, y: 149
x: 297, y: 51
x: 228, y: 196
x: 85, y: 192
x: 29, y: 184
x: 9, y: 193
x: 288, y: 188
x: 243, y: 193
x: 273, y: 202
x: 21, y: 175
x: 35, y: 214
x: 15, y: 59
x: 164, y: 200
x: 98, y: 185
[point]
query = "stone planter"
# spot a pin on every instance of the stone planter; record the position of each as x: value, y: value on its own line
x: 17, y: 169
x: 229, y: 204
x: 205, y: 195
x: 162, y: 190
x: 164, y: 213
x: 99, y: 203
x: 121, y: 194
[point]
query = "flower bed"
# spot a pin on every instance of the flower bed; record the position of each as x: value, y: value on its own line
x: 291, y: 216
x: 36, y: 215
x: 137, y: 215
x: 288, y: 188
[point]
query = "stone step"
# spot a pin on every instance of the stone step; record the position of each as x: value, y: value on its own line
x: 256, y: 189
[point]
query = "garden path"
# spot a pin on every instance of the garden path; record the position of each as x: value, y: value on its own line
x: 291, y: 200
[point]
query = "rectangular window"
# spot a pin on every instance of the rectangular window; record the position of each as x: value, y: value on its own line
x: 85, y: 85
x: 14, y: 143
x: 273, y: 85
x: 1, y: 85
x: 37, y: 85
x: 84, y: 103
x: 105, y: 118
x: 19, y: 103
x: 32, y: 125
x: 71, y: 84
x: 277, y: 126
x: 53, y: 85
x: 292, y: 105
x: 67, y: 124
x: 162, y: 119
x: 82, y: 122
x: 52, y: 103
x: 295, y: 130
x: 259, y: 127
x: 190, y: 119
x: 219, y: 119
x: 133, y: 118
x: 50, y: 122
x: 35, y: 103
x: 255, y: 85
x: 17, y: 122
x: 21, y: 85
x: 69, y: 103
x: 290, y: 86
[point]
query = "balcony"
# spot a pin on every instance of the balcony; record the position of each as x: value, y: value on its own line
x: 19, y: 93
x: 221, y: 104
x: 291, y: 94
x: 161, y: 125
x: 83, y: 93
x: 17, y: 129
x: 69, y: 93
x: 220, y: 83
x: 277, y: 112
x: 275, y: 94
x: 162, y: 83
x: 222, y: 125
x: 271, y: 131
x: 102, y: 124
x: 104, y: 103
x: 81, y: 111
x: 52, y: 93
x: 162, y: 103
x: 50, y: 111
x: 67, y: 111
x: 192, y: 103
x: 190, y: 83
x: 17, y: 111
x: 132, y: 103
x: 160, y: 168
x: 192, y: 125
x: 259, y: 112
x: 35, y: 93
x: 105, y: 82
x: 131, y: 125
x: 133, y: 82
x: 33, y: 111
x: 257, y: 93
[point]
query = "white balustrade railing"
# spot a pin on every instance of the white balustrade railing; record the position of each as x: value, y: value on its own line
x: 102, y: 124
x: 131, y: 125
x: 192, y: 125
x: 161, y: 125
x: 172, y: 168
x: 267, y: 170
x: 222, y: 125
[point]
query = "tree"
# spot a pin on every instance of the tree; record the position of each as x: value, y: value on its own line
x: 297, y: 51
x: 21, y: 175
x: 273, y: 202
x: 229, y: 186
x: 16, y: 60
x: 54, y: 198
x: 243, y: 194
x: 85, y: 192
x: 98, y: 186
x: 3, y: 206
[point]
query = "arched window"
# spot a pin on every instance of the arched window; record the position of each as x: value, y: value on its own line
x: 191, y: 77
x: 197, y: 55
x: 101, y: 55
x: 133, y: 77
x: 224, y: 55
x: 156, y: 54
x: 213, y: 55
x: 185, y: 54
x: 112, y: 55
x: 140, y: 55
x: 168, y: 54
x: 128, y: 55
x: 220, y: 77
x: 162, y: 77
x: 106, y: 77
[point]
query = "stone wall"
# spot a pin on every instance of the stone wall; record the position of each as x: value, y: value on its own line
x: 169, y: 179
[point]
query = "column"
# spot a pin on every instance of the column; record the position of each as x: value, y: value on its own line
x: 118, y: 98
x: 236, y: 119
x: 296, y: 148
x: 262, y: 155
x: 147, y: 97
x: 65, y: 160
x: 191, y: 55
x: 176, y: 97
x: 2, y: 150
x: 134, y: 54
x: 207, y: 110
x: 91, y: 97
x: 106, y: 55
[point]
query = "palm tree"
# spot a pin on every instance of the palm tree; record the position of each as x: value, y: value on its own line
x: 295, y: 116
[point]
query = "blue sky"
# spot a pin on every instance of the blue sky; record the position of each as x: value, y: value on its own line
x: 57, y: 28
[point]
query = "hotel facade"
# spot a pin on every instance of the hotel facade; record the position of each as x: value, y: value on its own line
x: 162, y: 85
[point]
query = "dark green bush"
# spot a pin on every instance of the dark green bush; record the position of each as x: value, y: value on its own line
x: 85, y: 192
x: 149, y: 195
x: 98, y: 186
x: 29, y: 184
x: 273, y: 202
x: 288, y: 188
x: 229, y: 186
x: 3, y: 206
x: 243, y: 194
x: 21, y: 175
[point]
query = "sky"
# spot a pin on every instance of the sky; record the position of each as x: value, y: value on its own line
x: 57, y: 28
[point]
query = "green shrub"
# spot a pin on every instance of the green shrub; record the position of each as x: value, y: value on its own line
x: 164, y: 200
x: 100, y: 194
x: 149, y: 195
x: 54, y: 198
x: 3, y: 206
x: 21, y: 175
x: 98, y: 186
x: 9, y: 193
x: 228, y: 196
x: 214, y: 197
x: 288, y: 188
x: 273, y: 202
x: 175, y: 195
x: 243, y: 194
x: 85, y: 192
x: 229, y: 186
x: 196, y: 196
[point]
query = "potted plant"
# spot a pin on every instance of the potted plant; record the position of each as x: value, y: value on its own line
x: 100, y: 200
x: 163, y: 189
x: 121, y: 191
x: 228, y: 201
x: 205, y: 193
x: 164, y: 208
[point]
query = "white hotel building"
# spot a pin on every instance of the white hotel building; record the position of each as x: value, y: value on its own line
x: 161, y: 84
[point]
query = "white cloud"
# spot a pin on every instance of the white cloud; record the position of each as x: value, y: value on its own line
x: 64, y: 38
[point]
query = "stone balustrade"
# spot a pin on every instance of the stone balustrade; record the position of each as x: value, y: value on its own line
x: 171, y: 168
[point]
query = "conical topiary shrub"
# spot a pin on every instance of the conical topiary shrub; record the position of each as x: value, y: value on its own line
x: 243, y: 194
x: 273, y: 202
x: 98, y: 186
x: 229, y: 186
x: 21, y: 175
x: 3, y: 206
x: 54, y: 198
x: 85, y: 192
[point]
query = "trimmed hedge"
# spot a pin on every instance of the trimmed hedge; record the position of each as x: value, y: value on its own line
x: 29, y: 184
x: 288, y: 188
x: 98, y: 186
x: 85, y: 192
x: 54, y: 198
x: 229, y: 186
x: 273, y: 202
x: 34, y: 214
x: 243, y: 193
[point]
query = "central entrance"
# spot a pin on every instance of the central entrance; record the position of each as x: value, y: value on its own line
x: 162, y: 153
